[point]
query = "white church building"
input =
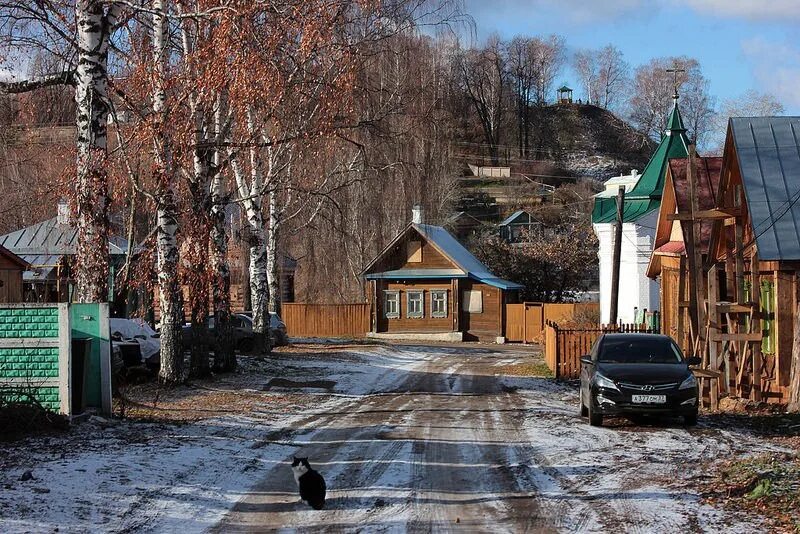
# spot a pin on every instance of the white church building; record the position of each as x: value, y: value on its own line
x: 643, y: 192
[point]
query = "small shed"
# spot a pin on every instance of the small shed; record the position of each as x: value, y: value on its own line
x: 668, y: 261
x: 519, y: 226
x: 426, y: 285
x: 11, y: 269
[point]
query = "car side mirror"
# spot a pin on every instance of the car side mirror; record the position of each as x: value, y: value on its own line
x: 694, y: 360
x: 587, y: 360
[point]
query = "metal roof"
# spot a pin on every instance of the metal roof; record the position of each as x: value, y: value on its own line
x: 462, y: 257
x: 510, y: 219
x: 768, y: 152
x: 49, y: 237
x: 41, y: 266
x: 650, y: 185
x: 466, y: 264
x: 418, y: 273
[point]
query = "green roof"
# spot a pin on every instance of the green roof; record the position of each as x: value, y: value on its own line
x: 646, y: 194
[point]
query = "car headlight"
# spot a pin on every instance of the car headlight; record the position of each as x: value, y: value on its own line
x: 604, y: 382
x: 689, y: 383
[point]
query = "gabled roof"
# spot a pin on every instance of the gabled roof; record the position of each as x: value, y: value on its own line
x: 13, y: 258
x: 511, y: 218
x: 648, y: 189
x: 51, y: 238
x: 768, y: 153
x: 466, y: 264
x: 708, y: 172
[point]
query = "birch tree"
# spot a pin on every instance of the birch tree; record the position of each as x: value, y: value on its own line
x: 171, y: 371
x: 80, y: 38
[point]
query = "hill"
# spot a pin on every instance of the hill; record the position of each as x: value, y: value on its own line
x: 588, y: 141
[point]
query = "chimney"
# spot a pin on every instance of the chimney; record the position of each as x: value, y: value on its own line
x: 63, y: 212
x: 416, y: 214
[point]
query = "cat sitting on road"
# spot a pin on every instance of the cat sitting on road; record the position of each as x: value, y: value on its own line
x: 310, y: 482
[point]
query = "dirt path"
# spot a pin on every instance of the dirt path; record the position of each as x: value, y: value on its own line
x: 409, y: 439
x: 458, y: 448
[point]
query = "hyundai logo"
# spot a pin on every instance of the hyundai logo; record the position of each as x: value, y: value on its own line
x: 648, y: 388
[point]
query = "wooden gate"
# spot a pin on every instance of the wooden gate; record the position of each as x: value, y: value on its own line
x: 524, y: 322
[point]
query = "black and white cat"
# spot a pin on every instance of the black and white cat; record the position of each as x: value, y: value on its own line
x: 310, y: 482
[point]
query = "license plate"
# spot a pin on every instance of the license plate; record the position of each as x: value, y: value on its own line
x: 649, y: 399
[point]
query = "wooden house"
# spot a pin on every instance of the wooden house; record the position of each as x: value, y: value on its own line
x: 426, y: 285
x: 754, y: 250
x: 11, y: 269
x: 668, y: 261
x: 47, y: 248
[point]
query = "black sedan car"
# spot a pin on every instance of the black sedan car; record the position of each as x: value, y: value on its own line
x: 637, y: 374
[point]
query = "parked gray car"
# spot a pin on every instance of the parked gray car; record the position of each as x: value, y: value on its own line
x: 242, y: 332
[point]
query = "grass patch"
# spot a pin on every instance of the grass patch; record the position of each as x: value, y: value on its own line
x: 537, y: 369
x: 768, y: 485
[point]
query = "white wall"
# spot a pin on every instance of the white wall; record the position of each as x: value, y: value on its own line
x: 636, y: 290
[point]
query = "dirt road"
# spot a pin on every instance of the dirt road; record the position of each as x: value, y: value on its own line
x: 456, y: 445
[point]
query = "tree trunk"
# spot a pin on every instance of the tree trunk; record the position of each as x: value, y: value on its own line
x: 94, y: 26
x: 247, y: 302
x: 196, y: 275
x: 273, y: 259
x: 259, y: 287
x: 224, y: 355
x: 794, y: 380
x: 167, y: 212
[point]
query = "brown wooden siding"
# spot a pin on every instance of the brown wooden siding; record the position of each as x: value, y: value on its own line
x: 423, y: 324
x: 487, y: 325
x: 397, y: 257
x: 10, y: 285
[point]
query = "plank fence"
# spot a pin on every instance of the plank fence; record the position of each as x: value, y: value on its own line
x: 565, y: 346
x: 326, y: 320
x: 525, y: 322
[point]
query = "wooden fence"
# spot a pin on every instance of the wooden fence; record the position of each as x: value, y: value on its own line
x: 326, y: 320
x: 525, y: 322
x: 564, y: 346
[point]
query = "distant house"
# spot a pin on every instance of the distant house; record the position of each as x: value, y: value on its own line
x: 11, y: 269
x: 518, y: 226
x: 463, y: 225
x: 640, y: 214
x: 426, y: 285
x: 46, y: 247
x: 668, y: 262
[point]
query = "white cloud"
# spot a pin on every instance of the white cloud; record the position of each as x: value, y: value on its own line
x: 776, y: 66
x: 748, y: 9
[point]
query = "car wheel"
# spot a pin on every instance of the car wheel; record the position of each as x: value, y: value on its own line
x: 584, y: 411
x: 595, y: 419
x: 245, y: 345
x: 690, y: 420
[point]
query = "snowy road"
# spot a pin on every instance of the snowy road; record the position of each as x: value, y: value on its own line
x: 458, y: 448
x: 409, y: 439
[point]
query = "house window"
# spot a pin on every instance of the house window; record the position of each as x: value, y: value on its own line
x: 472, y: 302
x: 414, y: 304
x: 414, y: 252
x: 391, y: 304
x: 439, y: 303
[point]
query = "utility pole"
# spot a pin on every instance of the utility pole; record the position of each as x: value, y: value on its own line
x: 617, y: 256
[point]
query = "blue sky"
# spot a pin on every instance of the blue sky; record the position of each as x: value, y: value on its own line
x: 741, y: 44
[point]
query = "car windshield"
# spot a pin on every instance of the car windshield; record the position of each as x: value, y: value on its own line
x: 643, y: 350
